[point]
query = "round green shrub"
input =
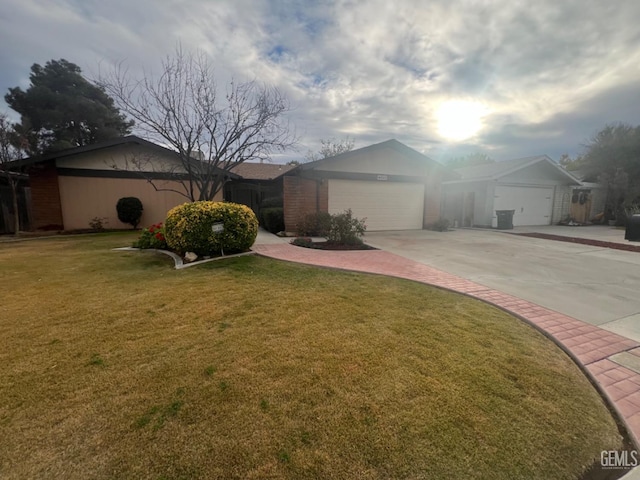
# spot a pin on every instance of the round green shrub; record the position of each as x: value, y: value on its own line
x: 189, y: 228
x: 129, y: 210
x: 273, y: 219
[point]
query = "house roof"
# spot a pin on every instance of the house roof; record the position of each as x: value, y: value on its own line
x: 392, y: 144
x: 261, y: 171
x: 497, y: 170
x: 114, y: 142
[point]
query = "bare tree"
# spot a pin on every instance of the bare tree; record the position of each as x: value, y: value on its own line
x: 8, y: 154
x: 211, y: 133
x: 330, y: 148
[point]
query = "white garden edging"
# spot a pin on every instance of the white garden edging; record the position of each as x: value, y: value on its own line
x: 177, y: 259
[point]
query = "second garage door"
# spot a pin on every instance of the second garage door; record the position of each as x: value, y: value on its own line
x: 532, y: 205
x: 386, y: 205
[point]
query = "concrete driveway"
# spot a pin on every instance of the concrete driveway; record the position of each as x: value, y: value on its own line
x: 598, y: 285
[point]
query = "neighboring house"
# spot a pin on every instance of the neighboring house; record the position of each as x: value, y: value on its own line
x: 391, y: 185
x: 537, y: 188
x: 71, y: 187
x: 257, y: 182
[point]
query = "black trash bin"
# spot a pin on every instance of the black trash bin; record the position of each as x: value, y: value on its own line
x: 632, y: 232
x: 505, y: 219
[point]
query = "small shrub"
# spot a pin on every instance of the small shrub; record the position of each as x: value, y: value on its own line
x: 152, y: 237
x: 97, y: 224
x: 129, y: 210
x: 345, y: 229
x: 440, y: 225
x: 272, y: 202
x: 188, y: 228
x: 315, y: 224
x: 302, y: 242
x: 273, y: 219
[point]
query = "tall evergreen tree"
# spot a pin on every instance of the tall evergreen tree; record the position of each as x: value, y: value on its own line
x: 612, y: 157
x: 62, y: 109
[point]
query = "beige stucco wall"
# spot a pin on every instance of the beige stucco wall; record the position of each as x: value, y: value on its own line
x: 123, y: 157
x: 83, y: 198
x: 384, y: 161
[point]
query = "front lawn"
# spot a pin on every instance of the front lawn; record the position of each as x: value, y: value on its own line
x: 114, y: 365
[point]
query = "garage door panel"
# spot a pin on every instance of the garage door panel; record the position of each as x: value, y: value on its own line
x: 385, y: 205
x: 532, y: 205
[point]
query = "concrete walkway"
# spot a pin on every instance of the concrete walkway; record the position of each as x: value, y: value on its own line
x: 599, y: 352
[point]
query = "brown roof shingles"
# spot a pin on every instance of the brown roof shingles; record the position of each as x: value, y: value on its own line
x: 261, y: 171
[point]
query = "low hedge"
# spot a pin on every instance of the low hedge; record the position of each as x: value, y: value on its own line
x: 189, y: 228
x: 273, y: 219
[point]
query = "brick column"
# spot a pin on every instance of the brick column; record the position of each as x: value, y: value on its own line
x: 300, y: 197
x: 45, y: 197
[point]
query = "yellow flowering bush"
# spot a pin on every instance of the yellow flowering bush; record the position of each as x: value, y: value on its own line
x: 195, y: 227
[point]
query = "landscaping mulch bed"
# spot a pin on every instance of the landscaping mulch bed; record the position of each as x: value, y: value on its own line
x: 332, y: 246
x: 337, y: 246
x: 583, y: 241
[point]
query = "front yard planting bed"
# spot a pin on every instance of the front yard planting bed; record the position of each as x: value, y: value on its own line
x: 306, y: 242
x: 114, y: 365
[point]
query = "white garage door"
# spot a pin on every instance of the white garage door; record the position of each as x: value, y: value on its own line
x: 532, y: 205
x: 386, y: 205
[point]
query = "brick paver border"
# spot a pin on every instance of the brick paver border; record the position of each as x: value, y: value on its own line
x: 589, y: 346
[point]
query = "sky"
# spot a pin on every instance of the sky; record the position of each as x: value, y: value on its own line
x: 449, y: 78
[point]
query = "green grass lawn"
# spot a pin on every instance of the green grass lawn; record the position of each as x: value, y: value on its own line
x: 114, y: 365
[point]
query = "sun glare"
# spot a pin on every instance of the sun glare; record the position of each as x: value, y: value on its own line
x: 459, y: 120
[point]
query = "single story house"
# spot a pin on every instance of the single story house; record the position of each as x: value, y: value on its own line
x: 391, y: 185
x: 536, y: 188
x: 69, y: 188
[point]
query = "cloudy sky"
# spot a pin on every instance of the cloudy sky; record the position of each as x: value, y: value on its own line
x: 507, y: 78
